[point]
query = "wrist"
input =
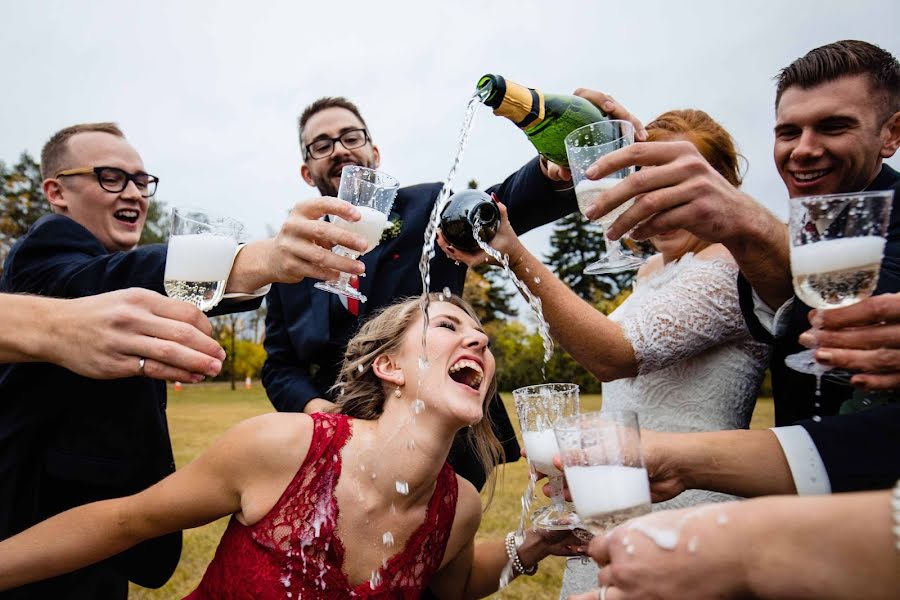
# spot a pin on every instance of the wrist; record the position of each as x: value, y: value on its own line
x: 252, y: 267
x: 524, y: 558
x: 46, y: 313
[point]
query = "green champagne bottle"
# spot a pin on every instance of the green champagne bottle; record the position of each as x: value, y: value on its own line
x: 545, y: 118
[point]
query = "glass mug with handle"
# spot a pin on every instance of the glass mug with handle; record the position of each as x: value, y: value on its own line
x: 199, y: 257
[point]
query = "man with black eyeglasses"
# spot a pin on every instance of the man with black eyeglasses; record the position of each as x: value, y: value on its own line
x: 307, y: 329
x: 66, y: 439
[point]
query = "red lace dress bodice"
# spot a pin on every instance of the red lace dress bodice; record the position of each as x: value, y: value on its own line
x: 294, y: 552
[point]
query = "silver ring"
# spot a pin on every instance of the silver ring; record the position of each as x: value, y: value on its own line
x: 601, y: 593
x: 141, y: 362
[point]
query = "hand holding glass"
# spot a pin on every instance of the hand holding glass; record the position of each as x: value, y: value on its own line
x: 373, y: 193
x: 538, y: 408
x: 584, y: 147
x: 199, y: 256
x: 837, y: 242
x: 604, y: 467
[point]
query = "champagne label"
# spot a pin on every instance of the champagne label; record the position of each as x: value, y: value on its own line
x: 521, y: 105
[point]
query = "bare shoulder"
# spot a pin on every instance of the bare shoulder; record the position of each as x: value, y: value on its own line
x: 274, y: 440
x: 650, y: 266
x: 716, y: 252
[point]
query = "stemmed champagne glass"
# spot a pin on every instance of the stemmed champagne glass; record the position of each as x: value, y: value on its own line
x: 199, y: 256
x: 837, y: 242
x: 373, y: 193
x: 584, y: 147
x: 604, y: 467
x: 538, y: 408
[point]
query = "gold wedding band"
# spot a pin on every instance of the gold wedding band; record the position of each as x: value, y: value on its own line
x: 141, y: 362
x: 601, y: 593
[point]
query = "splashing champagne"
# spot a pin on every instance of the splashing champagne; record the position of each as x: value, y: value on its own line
x: 197, y: 268
x: 836, y: 273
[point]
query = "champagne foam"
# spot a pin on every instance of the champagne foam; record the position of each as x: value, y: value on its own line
x: 199, y: 257
x: 371, y: 225
x: 542, y: 447
x: 836, y: 255
x: 599, y: 489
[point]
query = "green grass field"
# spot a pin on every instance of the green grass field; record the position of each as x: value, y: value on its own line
x: 199, y: 413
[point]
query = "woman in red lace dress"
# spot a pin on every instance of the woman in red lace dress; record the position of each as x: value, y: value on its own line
x: 356, y: 504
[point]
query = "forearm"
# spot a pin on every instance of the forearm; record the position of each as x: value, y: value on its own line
x: 491, y: 559
x: 250, y: 270
x: 23, y: 333
x: 594, y: 341
x: 838, y: 546
x: 718, y: 461
x: 66, y: 542
x: 762, y: 252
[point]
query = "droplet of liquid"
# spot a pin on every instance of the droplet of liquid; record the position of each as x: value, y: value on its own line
x: 692, y: 544
x: 447, y: 293
x: 423, y: 363
x: 817, y: 418
x: 537, y: 279
x: 410, y: 444
x: 418, y: 406
x: 629, y: 549
x: 402, y: 487
x: 375, y: 580
x: 387, y: 539
x: 722, y: 519
x: 360, y: 368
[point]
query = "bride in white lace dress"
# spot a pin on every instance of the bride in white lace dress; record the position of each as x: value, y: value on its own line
x: 677, y: 350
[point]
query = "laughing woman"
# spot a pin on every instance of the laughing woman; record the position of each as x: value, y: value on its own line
x: 361, y: 503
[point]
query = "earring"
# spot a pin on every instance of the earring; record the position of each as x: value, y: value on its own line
x: 397, y: 392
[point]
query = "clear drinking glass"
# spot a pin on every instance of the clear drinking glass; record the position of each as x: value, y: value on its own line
x: 538, y: 408
x: 584, y: 147
x: 199, y: 256
x: 373, y: 193
x: 837, y: 242
x: 601, y: 456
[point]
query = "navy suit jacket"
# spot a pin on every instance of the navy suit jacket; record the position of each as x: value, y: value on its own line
x: 307, y: 329
x: 794, y: 393
x: 65, y: 439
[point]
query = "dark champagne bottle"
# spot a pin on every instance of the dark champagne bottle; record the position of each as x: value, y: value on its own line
x: 545, y: 118
x: 466, y: 211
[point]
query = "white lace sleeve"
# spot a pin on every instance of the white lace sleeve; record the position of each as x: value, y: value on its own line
x: 696, y: 309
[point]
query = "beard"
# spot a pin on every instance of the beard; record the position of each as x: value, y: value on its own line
x: 327, y: 182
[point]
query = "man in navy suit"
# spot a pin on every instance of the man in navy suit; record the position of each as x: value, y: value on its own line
x: 67, y: 439
x: 307, y: 329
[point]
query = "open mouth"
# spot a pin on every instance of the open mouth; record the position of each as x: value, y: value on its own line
x: 336, y: 170
x: 467, y: 372
x: 127, y: 215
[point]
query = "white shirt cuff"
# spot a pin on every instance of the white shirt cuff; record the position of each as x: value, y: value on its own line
x: 807, y: 468
x: 773, y: 321
x: 243, y: 296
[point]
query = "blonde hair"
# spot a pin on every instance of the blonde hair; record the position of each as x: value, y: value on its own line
x: 360, y: 393
x: 55, y: 152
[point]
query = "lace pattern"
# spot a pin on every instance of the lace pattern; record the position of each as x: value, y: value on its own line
x: 699, y: 369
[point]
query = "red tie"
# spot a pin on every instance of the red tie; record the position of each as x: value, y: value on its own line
x: 353, y: 303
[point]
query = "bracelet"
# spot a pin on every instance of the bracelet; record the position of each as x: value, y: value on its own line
x: 895, y: 506
x: 513, y: 555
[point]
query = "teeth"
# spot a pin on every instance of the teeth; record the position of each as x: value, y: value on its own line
x: 127, y: 213
x: 464, y: 363
x: 809, y: 176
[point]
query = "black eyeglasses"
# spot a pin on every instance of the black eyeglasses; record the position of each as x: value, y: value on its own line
x: 115, y: 180
x: 324, y: 147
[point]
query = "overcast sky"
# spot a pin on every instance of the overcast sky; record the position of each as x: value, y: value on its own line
x: 209, y: 92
